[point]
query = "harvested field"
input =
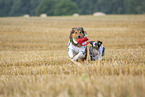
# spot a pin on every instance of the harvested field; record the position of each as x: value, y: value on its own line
x: 34, y: 60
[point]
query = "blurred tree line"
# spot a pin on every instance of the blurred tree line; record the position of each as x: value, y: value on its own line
x: 68, y: 7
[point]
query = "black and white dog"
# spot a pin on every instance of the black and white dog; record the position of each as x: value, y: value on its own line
x: 97, y: 50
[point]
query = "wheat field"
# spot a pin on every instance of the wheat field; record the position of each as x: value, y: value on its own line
x: 34, y: 60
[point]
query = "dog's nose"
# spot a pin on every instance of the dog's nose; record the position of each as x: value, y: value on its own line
x: 79, y: 36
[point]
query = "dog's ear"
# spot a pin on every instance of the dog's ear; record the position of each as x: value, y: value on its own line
x: 91, y: 42
x: 72, y: 31
x: 100, y: 42
x: 82, y: 30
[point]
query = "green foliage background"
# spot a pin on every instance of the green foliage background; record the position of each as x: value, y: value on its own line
x: 68, y: 7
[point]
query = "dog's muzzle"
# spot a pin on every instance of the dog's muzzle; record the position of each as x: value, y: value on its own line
x: 79, y: 36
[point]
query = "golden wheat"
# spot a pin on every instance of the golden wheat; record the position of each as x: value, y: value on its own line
x: 34, y: 60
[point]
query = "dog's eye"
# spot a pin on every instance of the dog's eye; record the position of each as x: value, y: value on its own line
x: 80, y: 32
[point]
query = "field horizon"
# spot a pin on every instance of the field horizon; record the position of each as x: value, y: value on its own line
x: 34, y: 60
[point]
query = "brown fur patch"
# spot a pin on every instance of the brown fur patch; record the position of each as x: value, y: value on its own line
x: 76, y: 33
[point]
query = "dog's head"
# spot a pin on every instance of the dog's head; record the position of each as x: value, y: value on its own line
x: 76, y: 33
x: 96, y: 44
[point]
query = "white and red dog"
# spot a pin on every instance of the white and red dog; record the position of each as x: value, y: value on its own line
x: 77, y: 49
